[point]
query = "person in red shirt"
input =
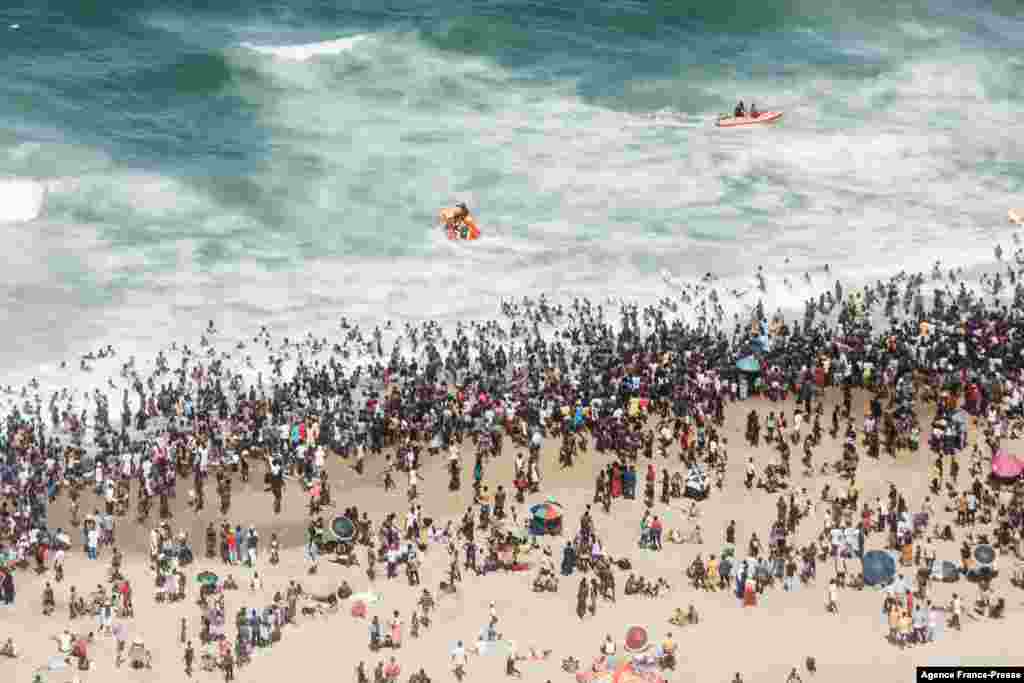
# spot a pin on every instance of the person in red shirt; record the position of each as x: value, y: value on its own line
x: 656, y: 532
x: 652, y: 478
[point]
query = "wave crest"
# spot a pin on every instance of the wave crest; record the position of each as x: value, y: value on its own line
x: 305, y: 52
x: 21, y: 200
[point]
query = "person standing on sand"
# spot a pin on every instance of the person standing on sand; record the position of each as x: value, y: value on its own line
x: 749, y: 593
x: 832, y: 598
x: 396, y: 630
x: 189, y: 658
x: 228, y: 663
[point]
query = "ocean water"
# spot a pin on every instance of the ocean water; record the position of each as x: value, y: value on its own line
x: 282, y: 163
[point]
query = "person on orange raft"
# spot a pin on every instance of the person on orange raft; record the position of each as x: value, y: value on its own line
x: 754, y: 113
x: 740, y: 111
x: 459, y: 223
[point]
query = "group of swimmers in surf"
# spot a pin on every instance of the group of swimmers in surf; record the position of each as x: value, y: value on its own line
x: 741, y: 112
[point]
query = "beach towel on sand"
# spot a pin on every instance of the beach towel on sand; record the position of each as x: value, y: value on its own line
x: 367, y: 597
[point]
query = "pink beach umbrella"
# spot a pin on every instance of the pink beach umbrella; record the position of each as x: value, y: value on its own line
x: 1005, y: 466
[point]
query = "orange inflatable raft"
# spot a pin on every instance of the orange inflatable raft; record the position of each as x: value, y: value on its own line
x: 762, y: 117
x: 458, y: 226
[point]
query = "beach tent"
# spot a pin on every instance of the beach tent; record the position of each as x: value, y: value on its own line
x: 879, y: 567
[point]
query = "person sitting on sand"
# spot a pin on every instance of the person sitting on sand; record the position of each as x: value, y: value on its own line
x: 510, y: 667
x: 681, y: 618
x: 9, y: 649
x: 64, y: 641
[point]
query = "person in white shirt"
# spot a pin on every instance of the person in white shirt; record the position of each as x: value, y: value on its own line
x: 92, y: 541
x: 459, y: 658
x: 413, y: 481
x: 64, y: 641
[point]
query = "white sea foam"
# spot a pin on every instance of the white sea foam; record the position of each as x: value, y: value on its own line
x: 302, y: 53
x: 21, y: 200
x: 573, y: 198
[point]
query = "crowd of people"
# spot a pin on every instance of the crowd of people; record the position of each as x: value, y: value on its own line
x: 640, y: 387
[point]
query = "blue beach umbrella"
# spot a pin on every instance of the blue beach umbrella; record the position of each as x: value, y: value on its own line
x: 879, y: 567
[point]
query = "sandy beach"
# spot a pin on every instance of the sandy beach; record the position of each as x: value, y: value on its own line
x: 762, y: 642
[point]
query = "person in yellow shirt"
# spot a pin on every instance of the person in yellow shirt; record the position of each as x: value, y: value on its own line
x: 668, y: 652
x: 712, y: 576
x: 906, y: 627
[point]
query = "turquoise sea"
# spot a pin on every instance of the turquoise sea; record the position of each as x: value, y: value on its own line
x: 282, y: 163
